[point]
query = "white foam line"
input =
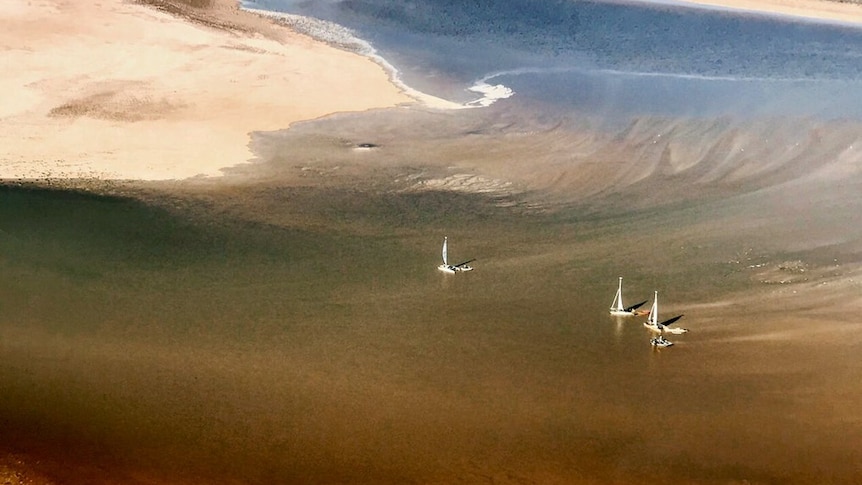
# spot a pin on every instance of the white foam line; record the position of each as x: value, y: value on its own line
x: 491, y: 93
x: 699, y: 77
x: 343, y: 37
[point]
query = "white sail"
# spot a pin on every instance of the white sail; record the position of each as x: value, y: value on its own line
x: 653, y: 323
x: 653, y: 312
x: 617, y: 304
x: 618, y: 308
x: 453, y: 268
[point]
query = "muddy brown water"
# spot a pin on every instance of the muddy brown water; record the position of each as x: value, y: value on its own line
x: 287, y: 324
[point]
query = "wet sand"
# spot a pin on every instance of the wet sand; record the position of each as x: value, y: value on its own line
x: 285, y: 323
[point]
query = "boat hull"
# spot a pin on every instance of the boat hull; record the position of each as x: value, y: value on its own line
x: 448, y: 268
x: 452, y: 268
x: 660, y: 343
x: 673, y: 331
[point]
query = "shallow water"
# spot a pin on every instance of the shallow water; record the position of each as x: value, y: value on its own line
x: 277, y: 333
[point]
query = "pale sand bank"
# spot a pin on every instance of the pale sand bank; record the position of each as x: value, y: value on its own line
x: 114, y: 90
x: 825, y: 10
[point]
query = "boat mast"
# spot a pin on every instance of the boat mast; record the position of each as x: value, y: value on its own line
x: 619, y: 296
x: 653, y: 312
x: 617, y: 304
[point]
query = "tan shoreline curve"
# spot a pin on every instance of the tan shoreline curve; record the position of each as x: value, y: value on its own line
x: 849, y: 12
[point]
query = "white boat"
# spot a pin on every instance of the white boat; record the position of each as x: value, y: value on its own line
x: 453, y: 268
x: 617, y: 307
x: 660, y: 342
x: 653, y: 324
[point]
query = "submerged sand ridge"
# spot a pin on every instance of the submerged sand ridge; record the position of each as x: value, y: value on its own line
x: 116, y: 90
x: 645, y: 163
x: 756, y: 194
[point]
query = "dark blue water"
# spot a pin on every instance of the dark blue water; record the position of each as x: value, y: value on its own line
x: 609, y: 58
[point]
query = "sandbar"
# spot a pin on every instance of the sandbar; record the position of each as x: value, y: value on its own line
x: 116, y: 90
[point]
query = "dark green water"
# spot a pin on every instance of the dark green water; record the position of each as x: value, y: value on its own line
x: 263, y: 334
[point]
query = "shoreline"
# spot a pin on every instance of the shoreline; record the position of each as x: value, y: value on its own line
x: 335, y: 36
x: 829, y: 11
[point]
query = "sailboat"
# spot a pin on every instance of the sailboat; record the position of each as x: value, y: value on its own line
x: 660, y: 342
x: 617, y: 308
x: 653, y: 324
x: 453, y: 268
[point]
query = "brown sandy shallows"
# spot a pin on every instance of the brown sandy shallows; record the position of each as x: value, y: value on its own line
x: 119, y: 90
x: 766, y: 201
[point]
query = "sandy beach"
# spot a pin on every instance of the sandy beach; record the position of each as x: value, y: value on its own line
x: 122, y: 90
